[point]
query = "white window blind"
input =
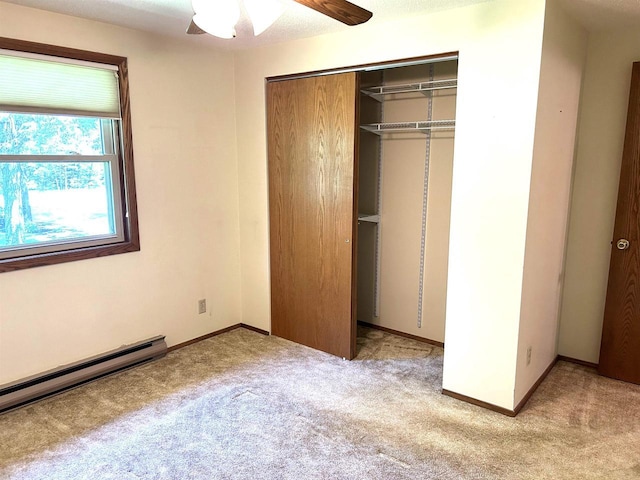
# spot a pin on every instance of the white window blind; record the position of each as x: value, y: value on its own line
x: 41, y: 86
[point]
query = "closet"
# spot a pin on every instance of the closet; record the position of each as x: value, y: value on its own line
x: 407, y: 124
x: 359, y: 199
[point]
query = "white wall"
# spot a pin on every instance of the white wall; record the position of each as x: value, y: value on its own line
x: 600, y: 141
x: 563, y: 57
x: 500, y: 45
x: 491, y: 176
x: 182, y: 103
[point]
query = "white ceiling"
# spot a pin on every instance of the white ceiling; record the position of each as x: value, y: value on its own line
x: 171, y: 17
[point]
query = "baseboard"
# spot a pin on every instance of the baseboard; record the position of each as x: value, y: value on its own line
x: 479, y: 403
x: 255, y: 329
x: 502, y: 410
x: 401, y: 334
x: 215, y: 334
x: 577, y: 362
x: 535, y: 386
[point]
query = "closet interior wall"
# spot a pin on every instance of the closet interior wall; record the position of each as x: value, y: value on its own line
x: 391, y: 184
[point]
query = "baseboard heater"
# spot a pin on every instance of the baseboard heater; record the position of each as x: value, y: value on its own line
x: 28, y: 390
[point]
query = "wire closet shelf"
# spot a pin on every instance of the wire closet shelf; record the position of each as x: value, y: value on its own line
x: 425, y: 88
x: 399, y: 127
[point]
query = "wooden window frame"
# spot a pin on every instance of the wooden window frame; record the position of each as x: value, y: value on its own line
x: 127, y: 190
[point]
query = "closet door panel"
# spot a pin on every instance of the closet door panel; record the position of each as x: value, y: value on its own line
x: 311, y: 149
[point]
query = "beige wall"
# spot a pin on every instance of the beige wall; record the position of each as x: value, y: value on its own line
x: 436, y: 259
x: 196, y: 215
x: 500, y: 44
x: 182, y: 102
x: 563, y: 57
x: 403, y: 162
x: 600, y: 141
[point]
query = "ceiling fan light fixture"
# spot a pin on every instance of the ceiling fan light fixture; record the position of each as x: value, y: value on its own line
x: 263, y: 13
x: 213, y: 27
x: 217, y: 17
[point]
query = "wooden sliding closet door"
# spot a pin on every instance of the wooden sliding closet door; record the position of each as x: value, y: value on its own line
x: 312, y: 176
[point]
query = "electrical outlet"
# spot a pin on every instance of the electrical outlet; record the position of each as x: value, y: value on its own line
x: 528, y: 356
x: 202, y: 306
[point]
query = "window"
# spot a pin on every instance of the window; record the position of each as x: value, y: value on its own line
x: 67, y: 189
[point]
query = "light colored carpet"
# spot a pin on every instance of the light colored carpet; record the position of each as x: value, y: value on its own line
x: 245, y: 406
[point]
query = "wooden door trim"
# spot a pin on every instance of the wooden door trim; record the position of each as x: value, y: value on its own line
x: 440, y: 57
x: 354, y: 234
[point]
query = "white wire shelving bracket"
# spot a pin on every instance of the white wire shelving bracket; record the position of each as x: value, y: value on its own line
x: 406, y: 127
x: 425, y: 88
x: 365, y: 217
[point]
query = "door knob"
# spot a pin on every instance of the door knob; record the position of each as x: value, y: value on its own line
x: 622, y: 244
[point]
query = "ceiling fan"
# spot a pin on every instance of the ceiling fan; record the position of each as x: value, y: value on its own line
x: 219, y: 17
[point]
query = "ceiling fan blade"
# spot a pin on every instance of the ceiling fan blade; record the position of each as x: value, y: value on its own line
x: 194, y: 29
x: 341, y: 10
